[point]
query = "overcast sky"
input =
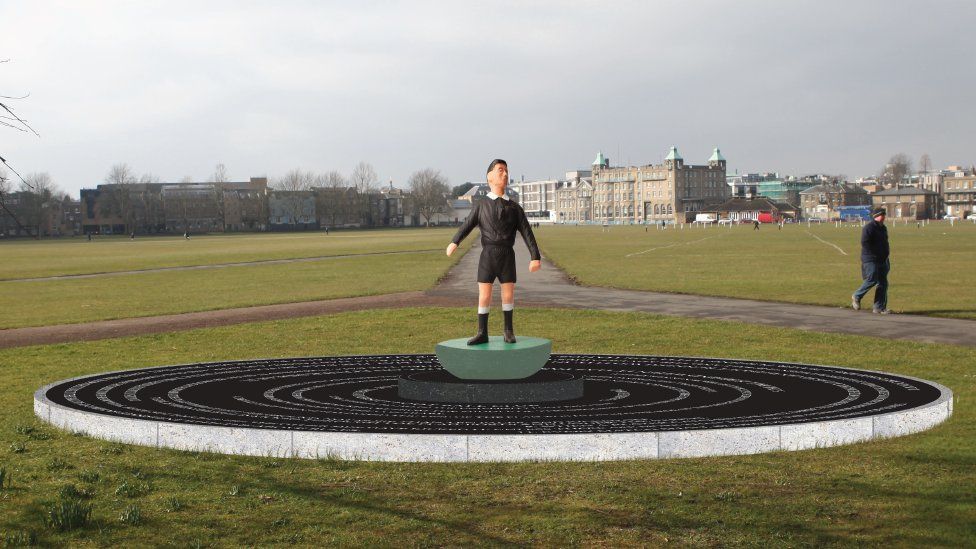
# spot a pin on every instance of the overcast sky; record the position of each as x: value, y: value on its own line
x: 173, y: 88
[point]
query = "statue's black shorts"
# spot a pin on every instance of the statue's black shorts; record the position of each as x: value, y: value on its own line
x: 497, y: 262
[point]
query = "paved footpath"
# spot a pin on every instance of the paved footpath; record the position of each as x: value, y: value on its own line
x: 548, y: 287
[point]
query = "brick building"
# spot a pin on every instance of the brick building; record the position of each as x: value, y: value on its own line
x: 672, y: 191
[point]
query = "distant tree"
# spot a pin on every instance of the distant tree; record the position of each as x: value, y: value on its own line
x: 461, y: 189
x: 8, y: 212
x: 332, y: 201
x: 429, y: 191
x: 38, y: 204
x: 218, y: 178
x: 147, y: 201
x: 179, y: 203
x: 895, y: 171
x: 364, y: 181
x: 118, y: 200
x: 220, y: 174
x: 10, y: 119
x: 296, y: 186
x: 924, y: 163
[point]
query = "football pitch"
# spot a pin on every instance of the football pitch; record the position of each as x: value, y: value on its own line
x: 933, y: 267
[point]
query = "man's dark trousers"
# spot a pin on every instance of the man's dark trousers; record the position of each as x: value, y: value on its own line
x: 875, y: 273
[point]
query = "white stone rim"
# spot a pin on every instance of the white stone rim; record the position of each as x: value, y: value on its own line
x: 395, y: 447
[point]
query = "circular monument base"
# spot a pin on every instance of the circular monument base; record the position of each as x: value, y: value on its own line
x: 543, y: 386
x: 495, y: 359
x: 634, y: 407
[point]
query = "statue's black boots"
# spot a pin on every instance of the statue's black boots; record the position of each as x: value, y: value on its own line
x: 509, y: 331
x: 482, y: 336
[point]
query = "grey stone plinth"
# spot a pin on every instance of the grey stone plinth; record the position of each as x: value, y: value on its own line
x: 544, y: 386
x: 475, y: 445
x: 495, y: 359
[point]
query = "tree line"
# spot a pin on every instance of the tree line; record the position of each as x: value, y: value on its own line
x: 136, y: 201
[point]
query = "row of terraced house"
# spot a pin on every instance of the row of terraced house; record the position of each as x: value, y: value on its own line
x: 676, y: 192
x: 235, y: 207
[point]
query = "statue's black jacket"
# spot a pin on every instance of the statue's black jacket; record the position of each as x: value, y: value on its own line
x: 874, y: 242
x: 498, y: 220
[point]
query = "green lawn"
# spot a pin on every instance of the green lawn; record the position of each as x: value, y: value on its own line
x: 933, y: 268
x: 66, y: 301
x: 103, y: 298
x: 909, y: 491
x: 65, y: 256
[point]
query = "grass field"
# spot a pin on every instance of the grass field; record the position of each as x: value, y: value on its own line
x: 65, y: 301
x: 933, y: 268
x: 908, y: 491
x: 68, y: 256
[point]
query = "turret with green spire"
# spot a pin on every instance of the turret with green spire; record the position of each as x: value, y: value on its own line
x: 717, y: 160
x: 601, y: 161
x: 673, y: 160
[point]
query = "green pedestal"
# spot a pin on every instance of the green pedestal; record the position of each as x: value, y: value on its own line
x: 495, y: 359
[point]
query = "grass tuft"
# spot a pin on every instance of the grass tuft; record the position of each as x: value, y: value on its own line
x: 32, y: 432
x: 174, y: 504
x: 90, y: 476
x: 58, y: 464
x: 132, y: 515
x: 23, y: 538
x: 133, y: 489
x: 68, y: 514
x: 70, y: 491
x: 113, y: 449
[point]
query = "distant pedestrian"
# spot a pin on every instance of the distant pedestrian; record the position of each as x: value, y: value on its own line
x: 132, y: 235
x: 874, y: 263
x: 326, y: 231
x: 186, y: 235
x: 755, y: 224
x: 89, y: 237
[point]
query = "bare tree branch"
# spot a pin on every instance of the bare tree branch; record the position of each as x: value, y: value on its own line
x: 294, y: 188
x: 19, y: 119
x: 430, y: 191
x: 364, y: 181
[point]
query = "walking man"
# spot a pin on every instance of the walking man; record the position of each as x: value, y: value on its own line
x: 874, y: 263
x: 498, y: 218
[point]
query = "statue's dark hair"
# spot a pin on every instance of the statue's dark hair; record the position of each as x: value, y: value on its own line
x: 494, y: 162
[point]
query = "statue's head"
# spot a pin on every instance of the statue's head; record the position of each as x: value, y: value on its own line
x: 498, y: 176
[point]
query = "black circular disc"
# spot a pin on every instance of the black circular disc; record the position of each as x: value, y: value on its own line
x: 441, y: 386
x: 622, y: 394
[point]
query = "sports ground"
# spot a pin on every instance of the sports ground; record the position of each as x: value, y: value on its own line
x: 913, y: 490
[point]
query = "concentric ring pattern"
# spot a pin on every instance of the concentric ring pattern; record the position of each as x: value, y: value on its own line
x: 623, y: 394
